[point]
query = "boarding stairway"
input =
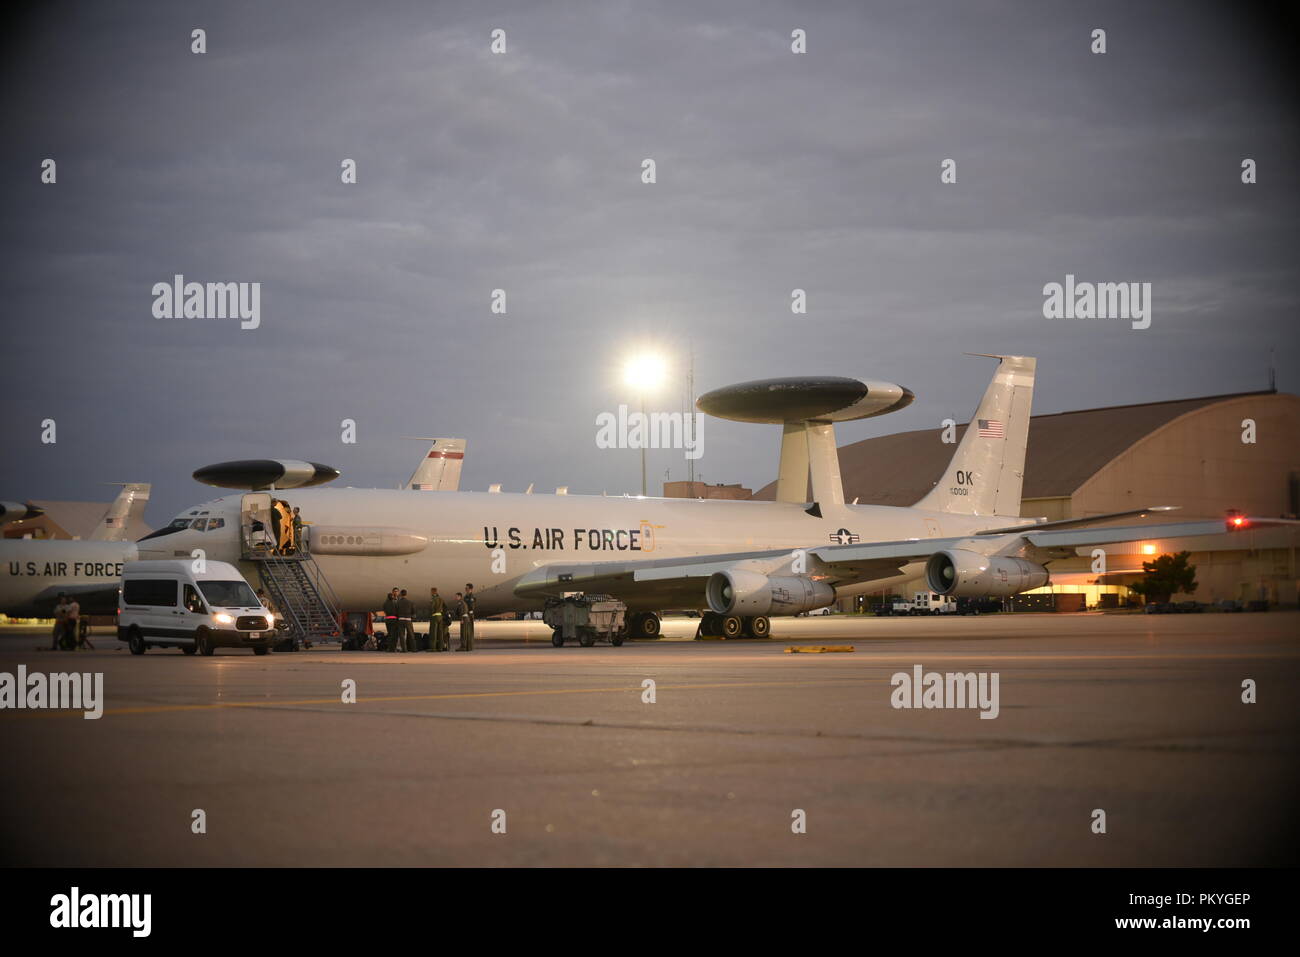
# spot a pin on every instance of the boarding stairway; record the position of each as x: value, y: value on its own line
x: 301, y: 594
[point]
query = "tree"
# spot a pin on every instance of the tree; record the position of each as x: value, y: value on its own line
x: 1165, y: 576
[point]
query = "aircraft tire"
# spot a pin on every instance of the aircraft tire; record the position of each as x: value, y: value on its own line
x: 760, y: 627
x: 644, y: 624
x: 733, y: 626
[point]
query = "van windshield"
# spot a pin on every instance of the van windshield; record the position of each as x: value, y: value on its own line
x: 234, y: 594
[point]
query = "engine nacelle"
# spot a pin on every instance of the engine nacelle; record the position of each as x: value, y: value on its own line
x: 352, y: 540
x: 738, y: 591
x: 965, y: 574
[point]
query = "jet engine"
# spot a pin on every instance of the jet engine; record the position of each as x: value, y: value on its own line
x: 966, y: 574
x: 738, y: 591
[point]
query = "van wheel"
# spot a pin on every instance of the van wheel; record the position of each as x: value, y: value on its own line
x: 189, y: 649
x: 203, y: 642
x: 261, y: 650
x: 135, y: 641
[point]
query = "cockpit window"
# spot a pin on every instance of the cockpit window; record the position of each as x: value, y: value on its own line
x: 176, y: 525
x: 216, y: 523
x: 199, y: 524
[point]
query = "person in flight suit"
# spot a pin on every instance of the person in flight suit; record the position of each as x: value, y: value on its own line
x: 437, y: 627
x: 457, y: 613
x: 467, y: 620
x: 405, y: 615
x: 297, y: 530
x: 60, y: 621
x: 390, y: 621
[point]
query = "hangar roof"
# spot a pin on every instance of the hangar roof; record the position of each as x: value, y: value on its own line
x: 1065, y: 450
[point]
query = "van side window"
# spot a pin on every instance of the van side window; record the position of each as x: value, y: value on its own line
x: 149, y: 591
x: 192, y: 600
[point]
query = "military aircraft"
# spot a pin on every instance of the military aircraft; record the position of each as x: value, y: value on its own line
x: 739, y: 561
x: 34, y: 571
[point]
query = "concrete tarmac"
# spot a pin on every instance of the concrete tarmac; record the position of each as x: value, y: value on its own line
x: 1138, y: 716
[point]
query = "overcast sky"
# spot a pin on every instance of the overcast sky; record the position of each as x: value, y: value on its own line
x: 522, y: 171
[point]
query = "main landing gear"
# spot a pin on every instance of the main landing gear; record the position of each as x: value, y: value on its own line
x: 644, y: 625
x: 713, y: 625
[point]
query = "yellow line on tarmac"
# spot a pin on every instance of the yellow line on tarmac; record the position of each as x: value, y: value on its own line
x: 216, y: 705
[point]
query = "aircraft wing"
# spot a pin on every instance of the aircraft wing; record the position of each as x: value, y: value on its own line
x: 1078, y: 537
x: 664, y: 583
x: 98, y: 598
x: 680, y: 582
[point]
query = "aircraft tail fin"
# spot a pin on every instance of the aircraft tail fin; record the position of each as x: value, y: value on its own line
x: 128, y: 507
x: 439, y: 470
x: 986, y: 473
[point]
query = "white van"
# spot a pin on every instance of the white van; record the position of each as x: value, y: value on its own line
x: 168, y: 605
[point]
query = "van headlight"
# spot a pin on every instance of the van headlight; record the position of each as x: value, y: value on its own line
x: 221, y: 618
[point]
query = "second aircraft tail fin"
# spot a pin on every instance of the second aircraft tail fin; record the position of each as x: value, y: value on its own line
x: 439, y: 470
x: 126, y: 509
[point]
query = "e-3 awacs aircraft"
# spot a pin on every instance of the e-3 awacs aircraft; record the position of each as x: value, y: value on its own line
x: 34, y: 572
x: 739, y: 561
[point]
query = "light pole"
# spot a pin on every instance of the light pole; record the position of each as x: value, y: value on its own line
x: 644, y: 372
x: 643, y: 444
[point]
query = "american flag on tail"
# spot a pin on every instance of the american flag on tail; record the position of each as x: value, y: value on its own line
x: 990, y: 429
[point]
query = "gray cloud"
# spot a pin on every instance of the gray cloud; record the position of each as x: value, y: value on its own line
x: 522, y: 171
